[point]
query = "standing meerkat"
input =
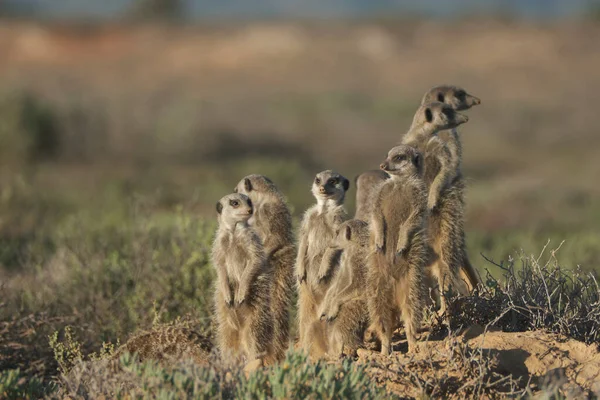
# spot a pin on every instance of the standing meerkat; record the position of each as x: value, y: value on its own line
x: 317, y: 230
x: 243, y: 287
x: 366, y: 184
x: 344, y: 306
x: 273, y: 222
x: 399, y: 249
x: 446, y: 212
x: 459, y: 100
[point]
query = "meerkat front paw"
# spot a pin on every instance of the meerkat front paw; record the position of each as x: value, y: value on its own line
x: 432, y: 202
x: 241, y: 296
x: 301, y: 277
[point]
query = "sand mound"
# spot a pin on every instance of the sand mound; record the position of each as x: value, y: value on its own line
x: 492, y: 363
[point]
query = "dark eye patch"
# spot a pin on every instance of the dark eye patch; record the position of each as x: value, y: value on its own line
x: 333, y: 181
x: 234, y: 203
x: 318, y: 181
x: 440, y: 97
x: 428, y: 115
x: 447, y: 111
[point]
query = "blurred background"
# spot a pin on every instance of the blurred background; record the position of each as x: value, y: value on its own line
x: 122, y: 123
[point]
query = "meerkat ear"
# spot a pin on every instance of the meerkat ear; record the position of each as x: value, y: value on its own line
x: 248, y: 184
x: 428, y: 115
x: 348, y: 233
x: 219, y: 207
x: 346, y: 184
x: 440, y: 97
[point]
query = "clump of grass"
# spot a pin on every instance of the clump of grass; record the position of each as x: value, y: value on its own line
x: 536, y: 294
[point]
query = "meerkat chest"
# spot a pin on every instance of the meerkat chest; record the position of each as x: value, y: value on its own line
x: 321, y: 235
x: 237, y: 256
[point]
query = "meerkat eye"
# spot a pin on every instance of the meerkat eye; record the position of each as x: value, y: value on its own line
x: 440, y: 97
x: 234, y: 203
x: 399, y: 158
x: 318, y: 181
x: 333, y: 181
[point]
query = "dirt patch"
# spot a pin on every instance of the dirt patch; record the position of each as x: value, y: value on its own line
x: 477, y: 364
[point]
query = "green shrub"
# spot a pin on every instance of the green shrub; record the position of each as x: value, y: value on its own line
x: 28, y: 129
x: 14, y: 385
x: 294, y: 378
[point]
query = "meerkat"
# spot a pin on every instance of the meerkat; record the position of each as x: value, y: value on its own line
x: 317, y: 230
x: 243, y: 287
x: 273, y: 222
x: 365, y: 187
x: 445, y: 208
x: 344, y: 306
x: 398, y: 248
x: 460, y: 100
x: 168, y: 343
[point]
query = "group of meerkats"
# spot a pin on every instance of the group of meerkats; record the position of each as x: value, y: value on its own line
x: 352, y: 275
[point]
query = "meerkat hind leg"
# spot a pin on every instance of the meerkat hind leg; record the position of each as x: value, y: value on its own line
x: 410, y: 309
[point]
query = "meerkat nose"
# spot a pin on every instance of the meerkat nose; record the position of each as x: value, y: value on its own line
x: 383, y: 166
x: 476, y: 101
x: 322, y: 189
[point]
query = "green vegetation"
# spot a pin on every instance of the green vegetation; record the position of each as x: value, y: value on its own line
x: 107, y: 218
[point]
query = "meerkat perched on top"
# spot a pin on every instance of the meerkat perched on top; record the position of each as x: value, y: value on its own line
x: 446, y: 212
x: 399, y: 248
x: 273, y: 223
x: 243, y: 287
x: 344, y: 306
x: 459, y: 100
x: 317, y: 230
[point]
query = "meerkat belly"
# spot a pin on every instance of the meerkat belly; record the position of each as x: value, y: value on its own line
x: 317, y: 244
x: 236, y: 261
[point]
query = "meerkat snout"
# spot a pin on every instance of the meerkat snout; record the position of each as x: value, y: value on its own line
x: 383, y: 166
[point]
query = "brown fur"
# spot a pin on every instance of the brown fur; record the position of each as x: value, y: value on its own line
x: 444, y: 205
x: 399, y: 250
x: 365, y: 187
x: 344, y: 307
x: 273, y: 223
x: 243, y: 287
x: 458, y: 99
x: 317, y: 230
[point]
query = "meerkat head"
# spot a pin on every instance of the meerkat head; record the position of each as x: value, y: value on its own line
x: 454, y: 96
x: 352, y: 230
x: 257, y: 187
x: 403, y: 160
x: 330, y: 186
x: 433, y: 117
x: 233, y: 209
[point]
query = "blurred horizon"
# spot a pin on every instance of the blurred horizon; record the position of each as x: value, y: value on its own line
x: 199, y: 10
